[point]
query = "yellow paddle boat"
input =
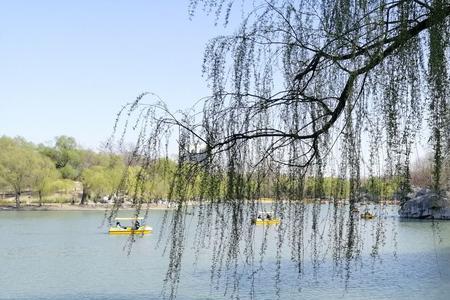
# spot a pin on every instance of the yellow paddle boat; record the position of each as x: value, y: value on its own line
x: 367, y: 215
x: 265, y: 218
x: 135, y: 228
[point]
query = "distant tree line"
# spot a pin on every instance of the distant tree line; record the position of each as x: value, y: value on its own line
x: 45, y: 170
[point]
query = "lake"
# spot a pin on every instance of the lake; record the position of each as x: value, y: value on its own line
x: 68, y: 255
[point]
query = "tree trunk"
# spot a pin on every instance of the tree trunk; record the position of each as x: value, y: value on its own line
x: 40, y: 198
x: 18, y: 199
x: 84, y: 196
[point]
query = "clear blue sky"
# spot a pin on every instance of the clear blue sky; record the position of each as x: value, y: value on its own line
x: 67, y: 67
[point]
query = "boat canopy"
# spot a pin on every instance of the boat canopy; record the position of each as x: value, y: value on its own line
x: 265, y: 213
x: 132, y: 219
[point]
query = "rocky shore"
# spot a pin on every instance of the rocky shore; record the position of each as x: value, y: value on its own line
x: 426, y: 204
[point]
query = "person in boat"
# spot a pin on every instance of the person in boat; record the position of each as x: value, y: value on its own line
x: 259, y: 217
x: 118, y: 225
x: 269, y: 217
x: 367, y: 215
x: 137, y: 225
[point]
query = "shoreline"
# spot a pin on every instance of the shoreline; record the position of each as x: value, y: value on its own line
x: 103, y: 207
x: 73, y: 207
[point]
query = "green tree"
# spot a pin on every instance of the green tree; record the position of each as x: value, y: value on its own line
x: 87, y: 160
x: 66, y: 155
x: 96, y: 181
x: 64, y: 186
x: 103, y: 175
x: 71, y: 160
x: 17, y: 159
x: 44, y: 175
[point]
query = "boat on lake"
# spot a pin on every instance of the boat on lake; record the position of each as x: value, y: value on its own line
x: 265, y: 218
x: 134, y: 228
x: 367, y: 215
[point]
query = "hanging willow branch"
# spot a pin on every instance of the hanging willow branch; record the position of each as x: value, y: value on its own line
x: 297, y: 91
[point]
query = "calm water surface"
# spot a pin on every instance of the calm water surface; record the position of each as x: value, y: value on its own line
x: 67, y: 255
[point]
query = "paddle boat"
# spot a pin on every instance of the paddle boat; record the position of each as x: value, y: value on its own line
x: 135, y: 228
x: 265, y: 218
x: 367, y: 215
x: 355, y: 210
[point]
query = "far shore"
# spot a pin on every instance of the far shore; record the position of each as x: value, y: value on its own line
x: 104, y: 206
x: 73, y: 207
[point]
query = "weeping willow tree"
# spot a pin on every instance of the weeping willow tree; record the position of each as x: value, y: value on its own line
x: 301, y: 90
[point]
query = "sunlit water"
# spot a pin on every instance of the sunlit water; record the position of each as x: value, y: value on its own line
x: 67, y: 255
